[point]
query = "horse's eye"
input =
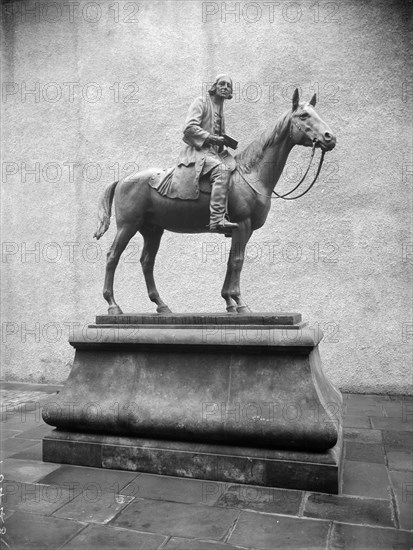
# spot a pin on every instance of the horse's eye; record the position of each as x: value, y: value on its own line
x: 304, y: 115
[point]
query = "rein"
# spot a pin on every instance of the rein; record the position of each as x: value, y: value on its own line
x: 285, y: 196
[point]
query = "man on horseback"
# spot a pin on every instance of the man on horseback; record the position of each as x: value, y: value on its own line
x: 204, y: 151
x: 139, y: 206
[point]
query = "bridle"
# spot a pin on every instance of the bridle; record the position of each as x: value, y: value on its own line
x: 286, y: 195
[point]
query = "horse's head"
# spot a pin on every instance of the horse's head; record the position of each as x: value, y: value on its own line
x: 307, y: 127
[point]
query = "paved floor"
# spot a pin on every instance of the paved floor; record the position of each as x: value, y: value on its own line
x: 51, y: 506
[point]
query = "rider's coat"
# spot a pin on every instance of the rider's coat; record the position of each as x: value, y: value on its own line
x: 199, y: 125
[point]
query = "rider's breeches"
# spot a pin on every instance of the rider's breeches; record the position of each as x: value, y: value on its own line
x: 219, y: 177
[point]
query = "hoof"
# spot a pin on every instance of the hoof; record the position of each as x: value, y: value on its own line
x: 231, y: 309
x: 243, y: 309
x: 114, y: 310
x: 163, y: 309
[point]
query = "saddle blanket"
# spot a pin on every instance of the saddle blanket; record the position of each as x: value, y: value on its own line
x: 162, y: 181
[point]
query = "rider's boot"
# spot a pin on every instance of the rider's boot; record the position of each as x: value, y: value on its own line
x: 220, y: 176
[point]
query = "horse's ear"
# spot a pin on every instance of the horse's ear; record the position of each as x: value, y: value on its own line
x: 296, y: 99
x: 313, y: 100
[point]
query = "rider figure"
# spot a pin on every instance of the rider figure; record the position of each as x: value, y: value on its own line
x: 203, y: 134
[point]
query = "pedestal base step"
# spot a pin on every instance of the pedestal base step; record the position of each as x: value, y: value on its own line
x: 306, y: 471
x: 280, y: 319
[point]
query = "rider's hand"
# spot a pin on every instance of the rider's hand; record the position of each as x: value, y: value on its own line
x: 216, y: 140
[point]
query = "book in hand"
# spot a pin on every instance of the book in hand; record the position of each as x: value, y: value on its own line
x: 230, y: 142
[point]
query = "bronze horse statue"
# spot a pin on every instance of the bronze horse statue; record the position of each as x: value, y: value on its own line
x: 139, y: 207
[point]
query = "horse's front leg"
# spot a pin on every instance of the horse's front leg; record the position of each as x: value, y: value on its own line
x: 231, y: 290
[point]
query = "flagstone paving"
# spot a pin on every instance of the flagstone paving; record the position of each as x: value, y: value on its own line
x: 52, y: 506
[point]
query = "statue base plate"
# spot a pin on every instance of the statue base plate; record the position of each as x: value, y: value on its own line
x: 307, y: 471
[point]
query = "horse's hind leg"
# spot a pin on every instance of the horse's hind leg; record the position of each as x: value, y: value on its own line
x: 151, y: 241
x: 123, y: 236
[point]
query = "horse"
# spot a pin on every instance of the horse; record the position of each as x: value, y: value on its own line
x: 139, y: 207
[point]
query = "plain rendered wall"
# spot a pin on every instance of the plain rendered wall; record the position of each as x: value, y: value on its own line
x: 341, y: 256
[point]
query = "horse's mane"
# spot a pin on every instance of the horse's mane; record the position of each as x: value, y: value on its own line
x: 254, y: 152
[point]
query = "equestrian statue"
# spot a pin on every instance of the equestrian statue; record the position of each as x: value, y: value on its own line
x: 209, y: 190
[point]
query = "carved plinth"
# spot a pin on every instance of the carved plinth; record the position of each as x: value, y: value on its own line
x: 226, y: 397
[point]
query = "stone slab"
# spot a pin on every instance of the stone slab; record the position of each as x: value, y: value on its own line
x: 175, y: 489
x: 271, y: 532
x: 397, y: 441
x: 273, y: 319
x: 177, y: 519
x: 350, y: 509
x: 12, y: 445
x: 400, y: 460
x: 393, y: 424
x: 108, y: 537
x: 365, y: 479
x: 89, y: 481
x: 356, y: 422
x: 33, y: 433
x: 32, y: 453
x: 247, y: 465
x: 26, y: 531
x: 35, y: 498
x: 358, y: 537
x: 180, y: 543
x: 5, y: 434
x: 362, y: 435
x: 364, y: 452
x: 26, y: 471
x: 269, y: 500
x: 96, y: 507
x: 402, y: 483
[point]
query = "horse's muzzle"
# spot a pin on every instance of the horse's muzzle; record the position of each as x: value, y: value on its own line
x: 328, y: 141
x: 327, y: 144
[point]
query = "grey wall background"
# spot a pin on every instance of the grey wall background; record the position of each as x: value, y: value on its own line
x: 112, y: 82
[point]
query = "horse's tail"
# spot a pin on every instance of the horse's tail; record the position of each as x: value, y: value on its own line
x: 105, y: 210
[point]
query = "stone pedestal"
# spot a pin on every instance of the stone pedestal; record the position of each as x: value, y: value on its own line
x: 237, y: 398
